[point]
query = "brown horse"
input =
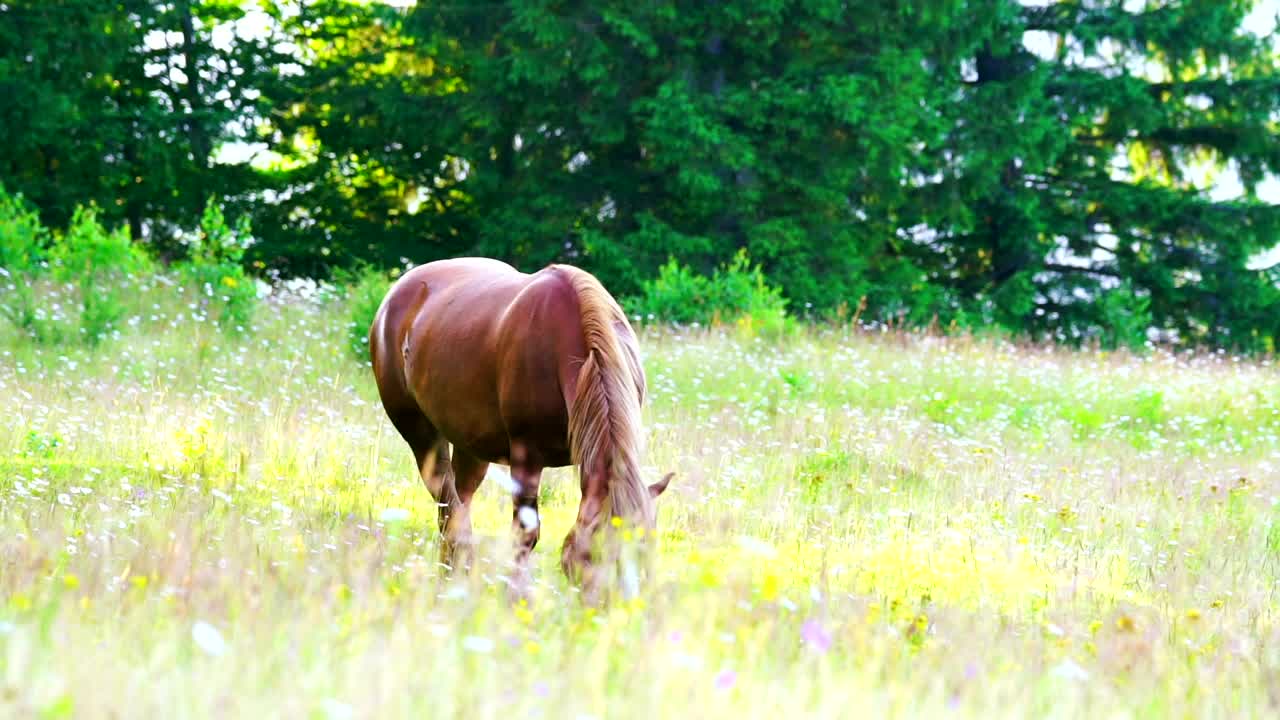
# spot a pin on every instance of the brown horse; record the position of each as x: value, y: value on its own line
x: 530, y: 371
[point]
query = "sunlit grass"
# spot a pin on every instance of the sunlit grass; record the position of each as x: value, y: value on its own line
x: 196, y: 525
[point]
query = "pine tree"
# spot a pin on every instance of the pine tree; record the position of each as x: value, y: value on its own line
x: 1074, y: 204
x: 125, y: 104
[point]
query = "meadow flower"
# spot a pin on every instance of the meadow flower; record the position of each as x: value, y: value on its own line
x: 1069, y: 670
x: 813, y: 634
x: 394, y: 515
x: 756, y: 546
x: 687, y: 661
x: 208, y: 639
x: 335, y: 710
x: 477, y: 644
x: 726, y: 679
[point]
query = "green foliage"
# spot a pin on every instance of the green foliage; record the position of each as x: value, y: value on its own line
x: 1076, y: 174
x: 1148, y: 406
x: 41, y: 445
x: 829, y: 471
x: 1273, y: 535
x: 96, y: 112
x: 678, y: 294
x: 23, y: 247
x: 214, y: 267
x: 734, y: 292
x: 23, y: 240
x: 366, y: 288
x: 101, y: 264
x: 988, y: 165
x: 1125, y: 314
x: 95, y: 265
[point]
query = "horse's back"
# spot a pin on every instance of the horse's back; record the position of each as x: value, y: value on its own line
x: 443, y: 291
x: 464, y: 279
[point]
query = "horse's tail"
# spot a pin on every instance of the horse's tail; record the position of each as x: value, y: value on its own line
x: 604, y: 414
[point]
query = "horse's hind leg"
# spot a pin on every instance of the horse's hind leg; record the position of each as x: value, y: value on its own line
x: 455, y: 508
x: 526, y: 524
x: 430, y: 451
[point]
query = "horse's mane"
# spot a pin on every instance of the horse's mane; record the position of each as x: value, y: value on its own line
x: 604, y: 417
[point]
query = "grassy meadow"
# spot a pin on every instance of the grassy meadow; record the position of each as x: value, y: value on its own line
x: 864, y: 524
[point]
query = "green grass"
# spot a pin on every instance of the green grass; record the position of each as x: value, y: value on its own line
x: 197, y: 525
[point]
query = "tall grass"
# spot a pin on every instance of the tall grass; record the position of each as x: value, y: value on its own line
x: 201, y: 524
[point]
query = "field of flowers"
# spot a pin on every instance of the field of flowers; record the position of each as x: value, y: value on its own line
x: 195, y: 523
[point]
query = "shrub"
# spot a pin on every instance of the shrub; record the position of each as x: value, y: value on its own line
x: 365, y: 288
x: 1125, y: 317
x: 96, y: 264
x: 100, y: 264
x: 678, y: 294
x: 216, y: 269
x: 23, y: 251
x: 735, y: 293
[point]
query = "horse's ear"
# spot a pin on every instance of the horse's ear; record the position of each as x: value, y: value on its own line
x: 657, y: 488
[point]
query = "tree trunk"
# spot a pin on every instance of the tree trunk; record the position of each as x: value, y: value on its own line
x: 195, y: 123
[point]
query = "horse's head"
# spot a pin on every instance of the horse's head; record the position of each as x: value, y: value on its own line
x: 610, y: 543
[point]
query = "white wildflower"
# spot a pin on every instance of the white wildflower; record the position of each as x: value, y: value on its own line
x: 208, y: 639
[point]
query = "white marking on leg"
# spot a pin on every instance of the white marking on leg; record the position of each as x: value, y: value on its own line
x: 528, y: 518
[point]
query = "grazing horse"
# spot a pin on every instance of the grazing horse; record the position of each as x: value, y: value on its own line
x: 527, y: 370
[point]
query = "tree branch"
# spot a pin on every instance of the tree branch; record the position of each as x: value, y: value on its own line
x: 1076, y: 269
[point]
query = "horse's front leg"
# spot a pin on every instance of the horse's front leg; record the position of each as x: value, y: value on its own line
x: 456, y: 541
